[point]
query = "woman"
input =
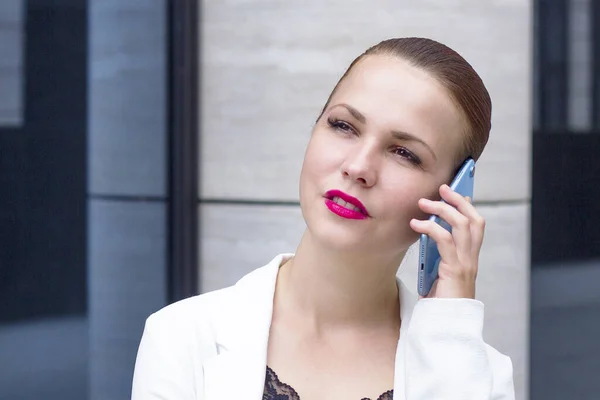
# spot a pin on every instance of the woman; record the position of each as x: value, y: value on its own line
x: 332, y: 321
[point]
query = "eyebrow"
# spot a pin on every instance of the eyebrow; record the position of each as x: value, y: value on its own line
x: 405, y: 136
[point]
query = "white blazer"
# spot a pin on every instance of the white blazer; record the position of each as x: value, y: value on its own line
x: 214, y: 346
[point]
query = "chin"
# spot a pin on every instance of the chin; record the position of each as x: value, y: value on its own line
x: 346, y: 243
x: 336, y: 233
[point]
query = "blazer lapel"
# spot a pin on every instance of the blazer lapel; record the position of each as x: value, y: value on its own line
x: 237, y: 375
x: 407, y: 302
x: 242, y: 336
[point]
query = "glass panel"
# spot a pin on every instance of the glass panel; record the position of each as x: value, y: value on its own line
x: 81, y: 269
x: 565, y: 247
x: 11, y: 62
x: 43, y: 322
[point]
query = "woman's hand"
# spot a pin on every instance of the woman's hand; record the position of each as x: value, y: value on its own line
x: 459, y: 250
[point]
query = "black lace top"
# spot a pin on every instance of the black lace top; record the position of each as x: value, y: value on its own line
x: 277, y: 390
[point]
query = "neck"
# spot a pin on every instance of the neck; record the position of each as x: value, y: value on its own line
x: 327, y: 288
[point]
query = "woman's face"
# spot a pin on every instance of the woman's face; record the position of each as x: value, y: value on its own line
x: 389, y: 136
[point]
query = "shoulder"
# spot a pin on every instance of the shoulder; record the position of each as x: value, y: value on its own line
x: 180, y: 338
x: 192, y: 310
x: 188, y: 317
x: 203, y: 318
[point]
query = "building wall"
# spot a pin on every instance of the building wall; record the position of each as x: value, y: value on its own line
x: 267, y: 69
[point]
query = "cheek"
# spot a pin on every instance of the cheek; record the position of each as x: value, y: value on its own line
x: 313, y: 165
x: 403, y: 197
x: 405, y: 208
x: 409, y: 203
x: 396, y: 232
x: 322, y: 156
x: 309, y: 165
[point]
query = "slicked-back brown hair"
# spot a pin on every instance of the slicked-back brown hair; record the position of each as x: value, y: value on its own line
x: 454, y: 73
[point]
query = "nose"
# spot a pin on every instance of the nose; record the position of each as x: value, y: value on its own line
x: 360, y: 166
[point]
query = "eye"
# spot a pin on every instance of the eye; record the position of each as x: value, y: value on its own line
x: 407, y: 154
x: 340, y: 125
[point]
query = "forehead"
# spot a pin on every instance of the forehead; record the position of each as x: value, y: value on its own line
x: 394, y: 95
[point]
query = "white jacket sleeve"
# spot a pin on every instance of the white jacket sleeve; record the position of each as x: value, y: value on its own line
x: 162, y: 370
x: 446, y: 357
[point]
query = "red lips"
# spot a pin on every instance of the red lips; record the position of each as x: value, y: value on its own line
x: 343, y: 211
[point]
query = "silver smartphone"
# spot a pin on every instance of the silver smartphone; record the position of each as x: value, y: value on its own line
x: 429, y: 257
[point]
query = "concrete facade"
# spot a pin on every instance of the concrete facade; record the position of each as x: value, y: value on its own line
x: 268, y: 67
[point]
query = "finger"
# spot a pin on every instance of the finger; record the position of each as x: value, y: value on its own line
x: 466, y: 208
x: 461, y: 231
x: 443, y: 239
x: 454, y: 198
